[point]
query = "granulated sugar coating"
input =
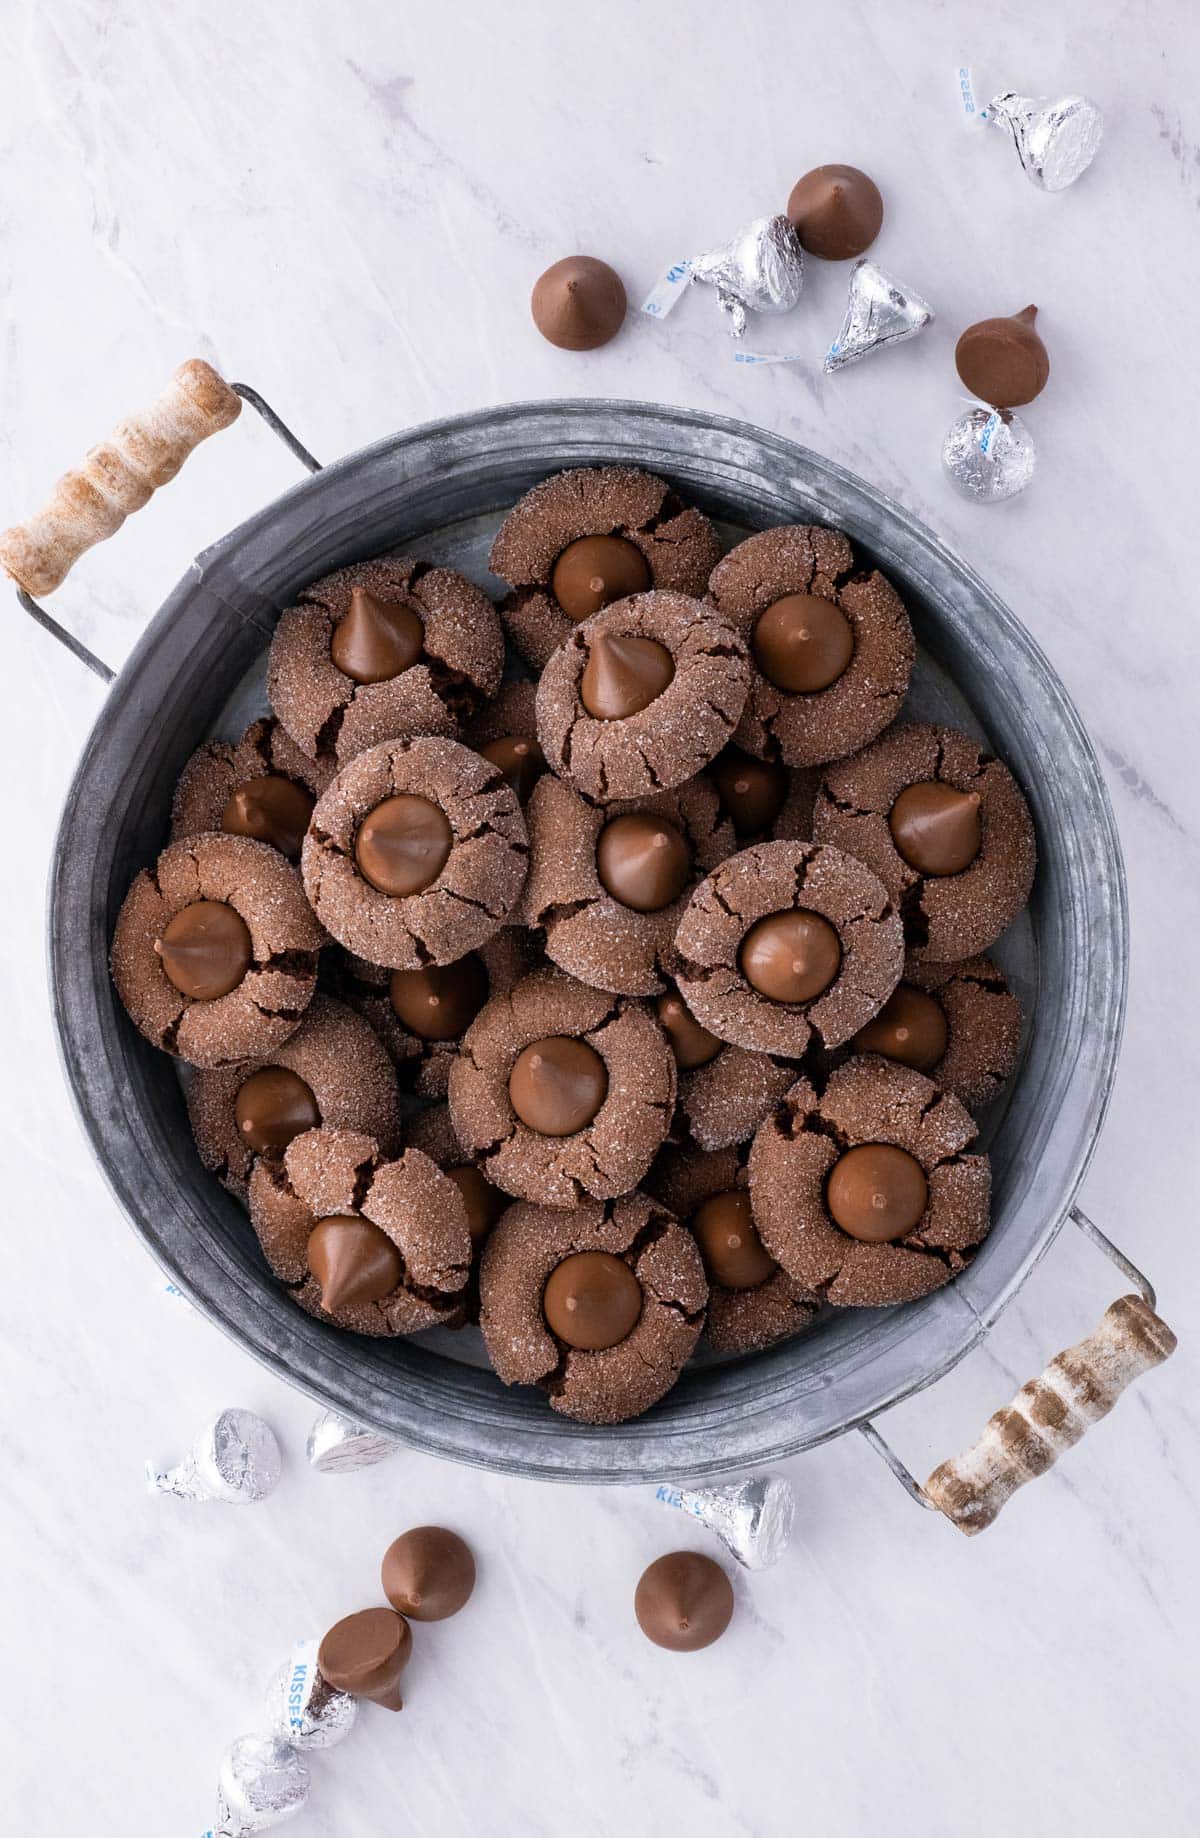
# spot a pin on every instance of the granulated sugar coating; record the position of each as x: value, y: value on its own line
x: 621, y: 1381
x: 807, y: 729
x: 684, y: 1175
x: 328, y: 1173
x: 338, y: 1057
x: 776, y: 877
x: 268, y: 1005
x: 460, y: 662
x: 587, y: 932
x: 725, y: 1101
x: 611, y: 1154
x: 678, y: 543
x: 476, y: 888
x: 216, y: 769
x: 868, y: 1100
x: 675, y: 735
x: 947, y: 917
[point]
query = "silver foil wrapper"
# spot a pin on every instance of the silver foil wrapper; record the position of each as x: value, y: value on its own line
x: 989, y: 454
x: 1056, y: 138
x: 302, y: 1709
x: 880, y: 311
x: 262, y: 1782
x: 337, y: 1446
x: 761, y: 270
x: 753, y: 1519
x: 235, y: 1458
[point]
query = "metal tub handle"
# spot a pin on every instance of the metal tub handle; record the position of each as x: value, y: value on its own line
x: 118, y: 477
x: 1050, y: 1413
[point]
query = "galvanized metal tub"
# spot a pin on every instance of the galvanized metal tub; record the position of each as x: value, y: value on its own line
x: 442, y: 488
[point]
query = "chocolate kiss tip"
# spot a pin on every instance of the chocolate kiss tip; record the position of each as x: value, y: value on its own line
x: 1027, y: 315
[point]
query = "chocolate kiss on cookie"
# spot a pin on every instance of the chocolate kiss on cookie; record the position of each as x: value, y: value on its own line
x: 643, y: 861
x: 592, y: 1300
x: 271, y: 809
x: 206, y: 950
x: 791, y: 956
x: 557, y: 1085
x: 484, y: 1203
x: 877, y: 1192
x: 910, y: 1028
x: 441, y: 1001
x: 519, y: 761
x: 752, y: 791
x: 623, y: 675
x: 593, y: 571
x: 272, y: 1108
x: 376, y: 639
x: 691, y: 1044
x: 802, y: 643
x: 353, y: 1261
x: 936, y: 828
x: 1003, y: 361
x: 733, y: 1252
x: 403, y: 844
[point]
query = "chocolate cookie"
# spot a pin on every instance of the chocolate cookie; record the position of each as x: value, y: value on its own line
x: 263, y: 787
x: 333, y: 1071
x: 763, y: 799
x: 416, y: 853
x: 582, y: 539
x: 421, y: 1015
x: 608, y: 887
x: 376, y: 1246
x: 830, y: 642
x: 641, y: 696
x: 785, y: 941
x: 959, y: 1024
x: 214, y: 952
x: 866, y: 1192
x: 752, y: 1302
x: 382, y: 649
x: 432, y: 1132
x: 504, y: 731
x: 944, y: 826
x: 561, y: 1092
x: 600, y: 1306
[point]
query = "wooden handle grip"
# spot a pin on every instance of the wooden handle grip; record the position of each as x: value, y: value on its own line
x: 140, y: 454
x: 1050, y: 1414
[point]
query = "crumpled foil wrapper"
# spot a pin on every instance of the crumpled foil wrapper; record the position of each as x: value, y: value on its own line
x: 880, y: 311
x: 753, y: 1519
x: 989, y: 454
x: 262, y: 1782
x: 302, y: 1709
x: 1056, y: 138
x: 234, y: 1458
x: 337, y: 1446
x: 761, y: 270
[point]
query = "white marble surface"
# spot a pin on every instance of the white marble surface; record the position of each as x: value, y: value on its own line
x: 347, y: 206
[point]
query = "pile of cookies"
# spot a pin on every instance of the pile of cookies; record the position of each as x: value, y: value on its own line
x: 605, y: 967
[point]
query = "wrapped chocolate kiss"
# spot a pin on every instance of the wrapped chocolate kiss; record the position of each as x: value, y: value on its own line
x: 262, y: 1782
x: 302, y: 1709
x: 1056, y: 138
x: 337, y: 1446
x: 989, y: 454
x: 753, y: 1519
x: 880, y: 311
x: 234, y: 1458
x: 761, y: 270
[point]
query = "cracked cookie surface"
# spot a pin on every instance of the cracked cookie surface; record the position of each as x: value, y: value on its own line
x: 982, y: 1019
x: 609, y: 1155
x: 618, y: 1382
x: 268, y: 1003
x: 328, y: 1173
x: 218, y: 769
x: 474, y: 891
x: 806, y: 729
x: 946, y: 917
x: 670, y: 738
x: 868, y: 1101
x: 460, y: 660
x: 776, y: 877
x: 678, y: 545
x: 348, y: 1074
x: 589, y: 933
